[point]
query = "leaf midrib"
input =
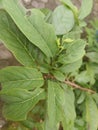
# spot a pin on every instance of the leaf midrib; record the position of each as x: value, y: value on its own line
x: 30, y: 98
x: 33, y: 97
x: 26, y: 20
x: 39, y: 33
x: 22, y: 80
x: 21, y: 44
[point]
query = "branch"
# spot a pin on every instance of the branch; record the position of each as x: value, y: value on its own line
x: 72, y: 84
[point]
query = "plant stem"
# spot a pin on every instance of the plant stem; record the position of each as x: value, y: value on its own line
x: 72, y: 84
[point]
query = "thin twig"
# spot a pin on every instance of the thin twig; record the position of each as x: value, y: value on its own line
x: 70, y: 83
x: 74, y: 85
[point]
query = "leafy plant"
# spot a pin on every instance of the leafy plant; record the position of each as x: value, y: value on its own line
x: 54, y: 86
x: 92, y: 48
x: 92, y: 33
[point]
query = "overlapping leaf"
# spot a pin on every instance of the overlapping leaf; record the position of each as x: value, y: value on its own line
x: 87, y: 76
x: 59, y: 75
x: 18, y: 102
x: 91, y: 114
x: 60, y: 107
x: 70, y: 5
x: 15, y: 40
x: 85, y: 8
x: 21, y: 77
x: 37, y: 31
x: 33, y: 43
x: 51, y: 121
x: 63, y: 20
x: 71, y: 67
x: 65, y: 101
x: 73, y: 53
x: 93, y: 56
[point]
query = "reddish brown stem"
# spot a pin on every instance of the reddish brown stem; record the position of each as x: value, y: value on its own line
x: 72, y: 84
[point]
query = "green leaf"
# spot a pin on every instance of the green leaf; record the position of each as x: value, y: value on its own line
x: 51, y: 121
x: 87, y: 76
x: 74, y: 53
x: 72, y: 35
x: 18, y: 44
x: 59, y: 75
x: 37, y: 31
x: 70, y: 5
x: 21, y: 77
x: 71, y: 67
x: 65, y: 102
x: 85, y: 9
x: 82, y: 24
x: 40, y: 126
x: 48, y: 14
x: 18, y: 102
x: 46, y: 30
x: 93, y: 56
x: 95, y: 97
x: 94, y: 67
x: 81, y: 98
x: 83, y: 77
x: 15, y: 41
x: 91, y: 74
x: 91, y: 114
x: 80, y: 123
x: 65, y: 99
x: 28, y: 123
x: 60, y: 107
x: 63, y: 20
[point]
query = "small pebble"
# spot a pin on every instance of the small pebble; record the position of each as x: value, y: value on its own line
x: 35, y: 4
x: 2, y: 123
x: 38, y: 4
x: 41, y: 5
x: 27, y: 1
x: 45, y: 1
